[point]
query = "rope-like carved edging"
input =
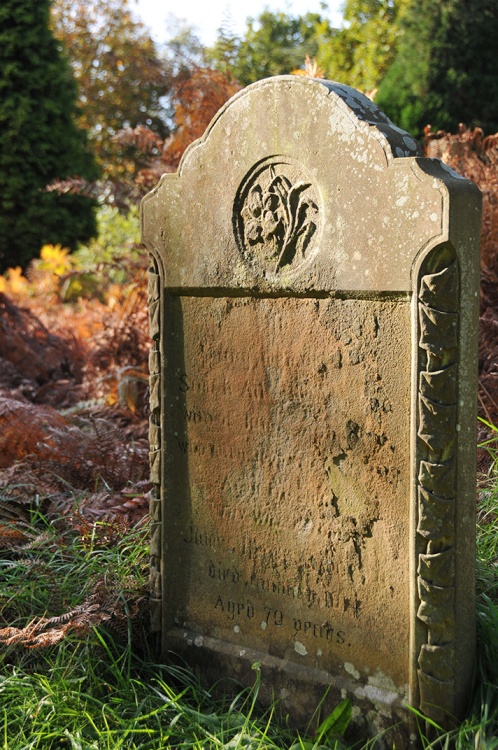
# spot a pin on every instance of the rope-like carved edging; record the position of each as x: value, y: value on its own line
x: 155, y: 447
x: 437, y: 432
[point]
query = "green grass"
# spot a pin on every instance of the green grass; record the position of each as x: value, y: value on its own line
x: 74, y: 701
x: 99, y: 686
x: 79, y: 671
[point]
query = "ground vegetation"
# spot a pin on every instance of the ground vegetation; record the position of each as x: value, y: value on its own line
x: 77, y: 664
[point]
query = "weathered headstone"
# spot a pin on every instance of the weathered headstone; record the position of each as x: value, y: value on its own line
x: 313, y: 306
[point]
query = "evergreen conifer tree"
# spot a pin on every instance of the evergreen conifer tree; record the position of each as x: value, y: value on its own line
x: 445, y: 71
x: 39, y: 140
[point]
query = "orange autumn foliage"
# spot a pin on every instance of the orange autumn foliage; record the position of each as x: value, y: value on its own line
x: 197, y: 94
x: 475, y: 156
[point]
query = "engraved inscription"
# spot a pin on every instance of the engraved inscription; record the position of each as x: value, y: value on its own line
x: 292, y: 482
x: 269, y: 617
x: 233, y: 609
x: 201, y: 538
x: 218, y: 570
x: 325, y: 630
x: 276, y: 216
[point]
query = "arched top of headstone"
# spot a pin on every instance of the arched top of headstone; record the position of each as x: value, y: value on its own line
x: 300, y: 185
x: 361, y: 112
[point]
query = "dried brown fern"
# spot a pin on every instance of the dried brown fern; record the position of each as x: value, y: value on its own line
x: 87, y: 594
x: 23, y: 427
x: 475, y: 156
x: 14, y: 525
x: 197, y: 94
x: 33, y: 354
x: 126, y: 506
x: 92, y: 454
x: 59, y: 453
x: 122, y: 338
x: 105, y: 605
x: 85, y: 351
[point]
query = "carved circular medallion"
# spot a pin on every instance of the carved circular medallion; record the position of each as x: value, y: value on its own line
x: 277, y: 217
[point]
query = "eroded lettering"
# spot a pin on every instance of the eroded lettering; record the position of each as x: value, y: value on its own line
x: 317, y: 630
x: 234, y: 609
x: 202, y: 538
x: 220, y: 573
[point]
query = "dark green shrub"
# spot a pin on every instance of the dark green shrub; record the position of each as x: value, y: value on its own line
x: 39, y: 139
x: 445, y: 71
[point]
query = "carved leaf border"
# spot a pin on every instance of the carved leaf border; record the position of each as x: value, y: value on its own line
x: 437, y: 404
x: 155, y: 448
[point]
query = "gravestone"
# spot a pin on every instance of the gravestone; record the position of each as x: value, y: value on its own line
x: 313, y: 308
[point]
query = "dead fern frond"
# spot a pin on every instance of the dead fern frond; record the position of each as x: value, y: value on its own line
x: 14, y: 528
x: 81, y: 456
x: 11, y: 636
x: 12, y: 535
x: 13, y: 512
x: 29, y: 345
x: 122, y: 508
x: 475, y: 156
x: 37, y: 634
x: 105, y: 605
x: 35, y: 541
x: 75, y: 186
x: 141, y: 138
x: 119, y: 193
x: 109, y: 597
x: 35, y: 359
x: 22, y: 484
x: 23, y: 427
x: 90, y: 454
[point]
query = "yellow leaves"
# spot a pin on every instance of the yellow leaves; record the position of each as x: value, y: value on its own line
x: 197, y: 98
x: 53, y: 263
x: 13, y: 282
x: 56, y: 259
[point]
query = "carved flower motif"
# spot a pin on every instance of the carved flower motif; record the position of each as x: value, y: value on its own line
x: 255, y: 201
x: 279, y: 217
x: 253, y: 231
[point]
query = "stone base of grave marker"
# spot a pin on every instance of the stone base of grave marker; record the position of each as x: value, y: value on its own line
x: 313, y: 308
